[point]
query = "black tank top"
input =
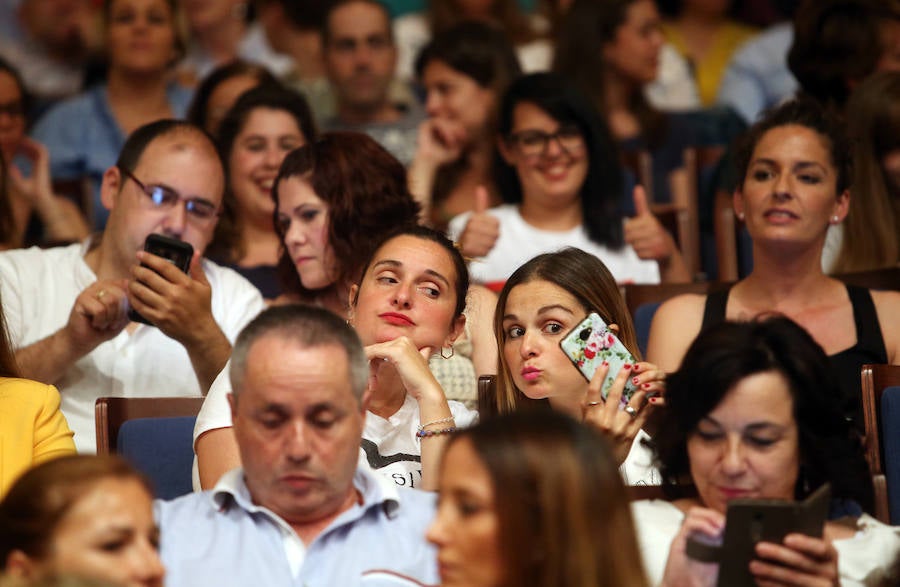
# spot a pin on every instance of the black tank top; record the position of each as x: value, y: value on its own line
x: 869, y: 347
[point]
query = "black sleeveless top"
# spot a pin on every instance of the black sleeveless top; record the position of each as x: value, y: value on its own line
x: 869, y: 347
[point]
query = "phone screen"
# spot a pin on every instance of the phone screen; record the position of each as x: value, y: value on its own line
x: 589, y: 344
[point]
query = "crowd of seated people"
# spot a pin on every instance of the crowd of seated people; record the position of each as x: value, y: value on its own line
x: 377, y: 246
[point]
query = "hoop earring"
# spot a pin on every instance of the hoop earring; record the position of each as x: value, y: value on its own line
x: 450, y: 356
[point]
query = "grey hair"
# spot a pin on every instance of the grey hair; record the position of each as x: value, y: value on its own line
x: 307, y: 326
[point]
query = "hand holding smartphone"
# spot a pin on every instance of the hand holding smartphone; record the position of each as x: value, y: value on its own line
x: 749, y: 521
x: 589, y: 344
x: 176, y: 252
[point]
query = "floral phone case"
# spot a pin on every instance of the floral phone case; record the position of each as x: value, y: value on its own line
x: 589, y: 344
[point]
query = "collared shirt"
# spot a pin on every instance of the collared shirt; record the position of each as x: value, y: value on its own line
x: 222, y: 538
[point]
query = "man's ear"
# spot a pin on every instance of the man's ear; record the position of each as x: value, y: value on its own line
x: 110, y: 187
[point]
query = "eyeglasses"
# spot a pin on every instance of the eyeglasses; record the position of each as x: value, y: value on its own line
x: 533, y: 143
x: 165, y: 197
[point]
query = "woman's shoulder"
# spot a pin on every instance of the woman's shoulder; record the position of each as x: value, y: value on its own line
x: 25, y: 389
x: 675, y: 324
x: 870, y: 554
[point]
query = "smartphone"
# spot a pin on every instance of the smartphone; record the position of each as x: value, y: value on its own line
x: 589, y: 344
x: 748, y: 521
x: 176, y: 252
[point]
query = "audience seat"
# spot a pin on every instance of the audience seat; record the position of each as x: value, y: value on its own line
x: 162, y: 449
x: 890, y: 434
x: 875, y: 379
x: 153, y: 433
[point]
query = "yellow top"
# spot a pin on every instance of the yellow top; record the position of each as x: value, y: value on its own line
x: 32, y: 429
x: 708, y: 73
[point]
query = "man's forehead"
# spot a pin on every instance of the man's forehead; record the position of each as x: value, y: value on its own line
x: 353, y: 18
x: 285, y: 367
x: 165, y: 159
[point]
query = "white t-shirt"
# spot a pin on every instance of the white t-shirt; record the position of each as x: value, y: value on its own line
x: 863, y: 559
x: 389, y: 446
x: 39, y: 287
x: 519, y: 242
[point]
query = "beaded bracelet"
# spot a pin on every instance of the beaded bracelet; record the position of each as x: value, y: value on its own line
x: 427, y: 433
x: 441, y: 421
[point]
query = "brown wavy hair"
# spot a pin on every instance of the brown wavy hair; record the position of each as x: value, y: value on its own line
x: 365, y: 190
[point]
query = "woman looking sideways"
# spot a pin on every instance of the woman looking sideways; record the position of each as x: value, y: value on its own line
x: 84, y: 516
x: 539, y: 305
x: 85, y: 134
x: 795, y: 165
x: 264, y: 125
x: 533, y: 500
x: 557, y: 170
x: 754, y: 412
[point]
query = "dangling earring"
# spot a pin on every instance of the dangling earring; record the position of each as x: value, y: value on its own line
x: 450, y: 356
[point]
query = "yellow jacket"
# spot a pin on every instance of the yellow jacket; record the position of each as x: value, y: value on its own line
x: 32, y: 429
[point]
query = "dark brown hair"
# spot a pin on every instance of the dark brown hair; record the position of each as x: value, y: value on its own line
x: 586, y: 29
x: 836, y: 42
x: 365, y: 190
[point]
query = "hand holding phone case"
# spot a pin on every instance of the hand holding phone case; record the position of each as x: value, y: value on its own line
x: 749, y: 521
x: 589, y: 344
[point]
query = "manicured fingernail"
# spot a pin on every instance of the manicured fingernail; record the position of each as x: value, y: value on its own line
x: 637, y: 368
x: 636, y: 382
x: 626, y: 366
x: 653, y: 400
x: 605, y: 364
x: 645, y: 386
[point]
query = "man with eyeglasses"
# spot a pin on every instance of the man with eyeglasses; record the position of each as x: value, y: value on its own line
x: 67, y: 307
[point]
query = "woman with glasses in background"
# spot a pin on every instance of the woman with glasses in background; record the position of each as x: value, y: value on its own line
x: 557, y: 169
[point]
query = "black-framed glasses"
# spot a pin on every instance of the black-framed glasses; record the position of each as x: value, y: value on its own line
x: 166, y: 198
x: 533, y: 143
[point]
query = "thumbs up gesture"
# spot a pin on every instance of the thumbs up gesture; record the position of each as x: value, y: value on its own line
x: 644, y: 232
x: 482, y: 229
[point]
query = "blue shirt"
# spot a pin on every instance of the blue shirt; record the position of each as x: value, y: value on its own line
x: 758, y: 77
x: 84, y: 139
x: 222, y: 538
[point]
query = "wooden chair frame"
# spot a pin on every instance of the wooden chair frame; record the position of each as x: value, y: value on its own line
x: 875, y: 379
x: 111, y: 412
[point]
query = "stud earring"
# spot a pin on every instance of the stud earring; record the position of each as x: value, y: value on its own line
x: 834, y: 219
x: 740, y: 216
